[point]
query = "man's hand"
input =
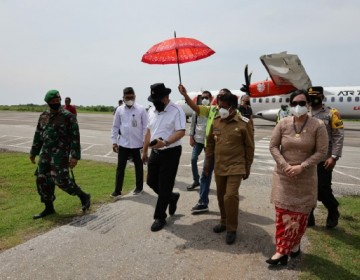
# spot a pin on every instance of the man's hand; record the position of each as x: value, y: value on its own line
x: 192, y: 141
x: 115, y: 148
x: 32, y: 159
x: 182, y: 90
x: 329, y: 163
x: 73, y: 162
x: 144, y: 157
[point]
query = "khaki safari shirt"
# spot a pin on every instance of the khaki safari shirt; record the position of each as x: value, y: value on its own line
x: 231, y: 142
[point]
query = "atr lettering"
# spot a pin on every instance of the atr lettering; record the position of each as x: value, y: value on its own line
x: 348, y: 92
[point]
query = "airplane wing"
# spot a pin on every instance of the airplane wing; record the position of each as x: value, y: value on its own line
x: 286, y: 69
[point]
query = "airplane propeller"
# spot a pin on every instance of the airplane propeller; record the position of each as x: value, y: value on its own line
x: 246, y: 87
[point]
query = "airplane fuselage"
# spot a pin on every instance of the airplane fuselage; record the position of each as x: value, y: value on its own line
x: 345, y: 99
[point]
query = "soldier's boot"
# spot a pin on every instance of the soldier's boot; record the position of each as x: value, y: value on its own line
x: 49, y: 209
x: 85, y: 200
x: 311, y: 219
x: 332, y: 218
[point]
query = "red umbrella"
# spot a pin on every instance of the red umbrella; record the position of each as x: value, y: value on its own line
x: 177, y: 50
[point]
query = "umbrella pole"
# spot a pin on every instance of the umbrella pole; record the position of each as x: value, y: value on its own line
x: 177, y: 58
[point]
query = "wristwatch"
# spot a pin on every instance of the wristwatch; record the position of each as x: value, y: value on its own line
x: 335, y: 157
x: 167, y: 143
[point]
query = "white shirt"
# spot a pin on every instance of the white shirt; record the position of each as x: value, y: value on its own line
x: 132, y: 123
x: 164, y: 124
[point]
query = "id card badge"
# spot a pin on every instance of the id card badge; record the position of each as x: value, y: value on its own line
x: 133, y: 121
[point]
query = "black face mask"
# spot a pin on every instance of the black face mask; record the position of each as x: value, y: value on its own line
x: 159, y: 106
x: 315, y: 101
x: 55, y: 106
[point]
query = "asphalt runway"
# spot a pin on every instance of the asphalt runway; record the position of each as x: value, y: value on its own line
x: 17, y: 130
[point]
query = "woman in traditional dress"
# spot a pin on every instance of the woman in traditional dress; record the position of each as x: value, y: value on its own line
x: 298, y: 144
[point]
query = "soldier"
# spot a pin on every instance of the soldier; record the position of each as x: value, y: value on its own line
x: 335, y: 129
x: 56, y: 139
x: 230, y: 145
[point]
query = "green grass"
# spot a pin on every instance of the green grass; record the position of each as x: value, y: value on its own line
x: 335, y: 254
x: 19, y: 199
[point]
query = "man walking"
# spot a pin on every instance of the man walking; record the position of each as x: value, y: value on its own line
x: 128, y: 131
x: 197, y: 139
x: 230, y: 145
x: 57, y: 142
x: 334, y: 125
x: 166, y: 127
x: 69, y: 107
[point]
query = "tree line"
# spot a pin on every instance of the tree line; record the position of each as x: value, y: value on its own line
x: 40, y: 108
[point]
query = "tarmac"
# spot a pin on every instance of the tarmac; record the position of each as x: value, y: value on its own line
x: 115, y: 242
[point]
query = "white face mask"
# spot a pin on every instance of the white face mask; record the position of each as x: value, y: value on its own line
x: 299, y: 110
x: 224, y: 113
x: 205, y: 102
x: 129, y: 103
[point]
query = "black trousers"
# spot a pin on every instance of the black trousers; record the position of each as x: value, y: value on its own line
x: 325, y: 193
x: 162, y: 170
x: 123, y: 155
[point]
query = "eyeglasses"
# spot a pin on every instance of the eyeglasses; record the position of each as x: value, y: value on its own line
x: 300, y: 103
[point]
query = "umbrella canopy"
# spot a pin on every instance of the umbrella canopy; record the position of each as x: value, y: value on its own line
x: 188, y: 49
x: 176, y: 51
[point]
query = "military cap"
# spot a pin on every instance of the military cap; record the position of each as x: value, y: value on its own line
x: 51, y: 94
x: 315, y: 90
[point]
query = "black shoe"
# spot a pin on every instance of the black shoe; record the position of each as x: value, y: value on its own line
x: 116, y: 194
x: 332, y: 219
x: 230, y: 237
x: 85, y: 202
x: 219, y: 228
x: 282, y: 260
x: 199, y: 208
x: 311, y: 219
x: 295, y: 254
x: 49, y: 209
x: 158, y: 225
x: 173, y: 203
x: 137, y: 191
x: 193, y: 186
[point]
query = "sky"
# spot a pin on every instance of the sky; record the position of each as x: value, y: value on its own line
x: 91, y: 50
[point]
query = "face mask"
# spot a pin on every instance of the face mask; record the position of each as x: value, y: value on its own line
x: 159, y: 106
x: 224, y: 113
x: 247, y: 103
x: 55, y: 106
x: 315, y: 101
x: 299, y: 110
x: 129, y: 103
x: 205, y: 102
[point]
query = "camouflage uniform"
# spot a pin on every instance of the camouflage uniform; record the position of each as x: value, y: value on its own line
x: 335, y: 129
x: 56, y: 138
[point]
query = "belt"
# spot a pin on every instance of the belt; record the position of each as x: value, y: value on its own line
x: 158, y: 151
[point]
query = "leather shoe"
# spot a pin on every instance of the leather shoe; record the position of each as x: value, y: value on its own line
x: 173, y: 203
x: 332, y: 219
x: 192, y: 186
x: 158, y: 224
x: 230, y: 237
x: 219, y: 228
